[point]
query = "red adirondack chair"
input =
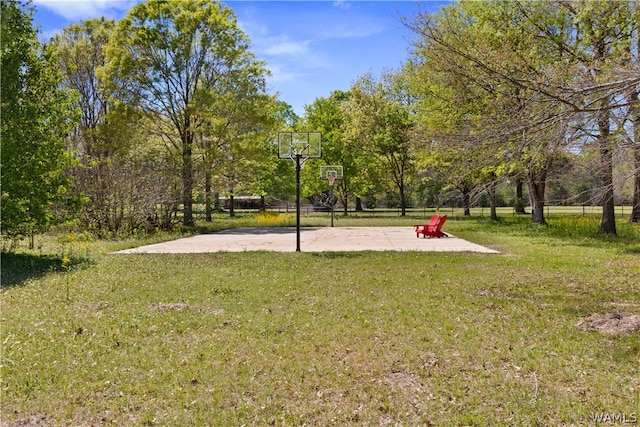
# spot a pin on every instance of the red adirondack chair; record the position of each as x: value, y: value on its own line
x: 421, y: 228
x: 436, y: 230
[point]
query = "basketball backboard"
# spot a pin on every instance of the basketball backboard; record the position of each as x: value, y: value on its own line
x: 306, y: 145
x: 331, y: 170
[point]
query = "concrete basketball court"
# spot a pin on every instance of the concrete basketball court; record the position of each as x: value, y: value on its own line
x: 312, y: 239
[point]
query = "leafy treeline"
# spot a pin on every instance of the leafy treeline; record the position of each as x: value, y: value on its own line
x: 530, y: 83
x: 119, y: 125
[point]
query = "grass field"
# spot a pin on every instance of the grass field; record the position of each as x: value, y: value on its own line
x: 360, y: 338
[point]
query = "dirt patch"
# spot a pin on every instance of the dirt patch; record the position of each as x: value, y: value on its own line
x: 30, y: 421
x: 170, y: 306
x: 404, y: 380
x: 93, y: 307
x: 611, y: 323
x: 180, y: 306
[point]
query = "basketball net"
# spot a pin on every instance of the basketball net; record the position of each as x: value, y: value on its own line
x: 303, y: 158
x: 331, y: 179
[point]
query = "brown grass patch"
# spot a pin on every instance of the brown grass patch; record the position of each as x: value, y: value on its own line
x: 404, y: 380
x: 611, y: 323
x: 180, y: 306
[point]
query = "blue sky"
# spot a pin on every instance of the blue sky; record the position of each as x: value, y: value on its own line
x: 311, y: 47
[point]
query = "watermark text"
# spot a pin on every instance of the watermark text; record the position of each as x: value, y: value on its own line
x: 615, y: 418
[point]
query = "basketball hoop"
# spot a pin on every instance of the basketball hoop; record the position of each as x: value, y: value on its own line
x: 331, y: 173
x: 299, y: 147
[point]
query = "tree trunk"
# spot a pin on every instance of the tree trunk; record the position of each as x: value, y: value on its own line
x: 466, y: 201
x: 345, y: 202
x: 187, y: 180
x: 635, y: 117
x: 537, y: 184
x: 608, y: 224
x: 604, y: 145
x: 492, y: 201
x: 216, y: 202
x: 519, y: 202
x: 635, y: 213
x: 207, y: 195
x: 359, y: 204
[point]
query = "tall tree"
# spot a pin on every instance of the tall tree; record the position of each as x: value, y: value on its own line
x: 383, y: 127
x: 167, y: 57
x: 239, y: 118
x: 452, y: 115
x: 79, y: 48
x: 102, y: 138
x: 325, y: 115
x: 36, y: 116
x: 631, y: 61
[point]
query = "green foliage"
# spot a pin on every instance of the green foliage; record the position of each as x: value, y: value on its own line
x: 325, y: 115
x: 36, y: 116
x: 112, y: 175
x: 378, y: 122
x: 187, y: 65
x: 514, y: 85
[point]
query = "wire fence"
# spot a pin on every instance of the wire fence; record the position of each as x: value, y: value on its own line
x: 621, y: 211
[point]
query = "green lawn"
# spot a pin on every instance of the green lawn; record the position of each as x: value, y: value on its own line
x: 360, y: 338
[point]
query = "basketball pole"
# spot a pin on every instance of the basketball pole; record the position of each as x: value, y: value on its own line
x: 298, y: 202
x: 299, y: 146
x: 331, y: 201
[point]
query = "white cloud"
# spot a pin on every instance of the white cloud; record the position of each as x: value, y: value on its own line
x: 74, y: 10
x: 290, y: 60
x: 342, y: 4
x: 285, y: 47
x: 281, y: 73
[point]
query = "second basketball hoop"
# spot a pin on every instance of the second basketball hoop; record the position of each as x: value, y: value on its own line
x: 331, y: 173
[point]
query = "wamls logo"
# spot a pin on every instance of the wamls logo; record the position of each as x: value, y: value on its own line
x: 615, y: 418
